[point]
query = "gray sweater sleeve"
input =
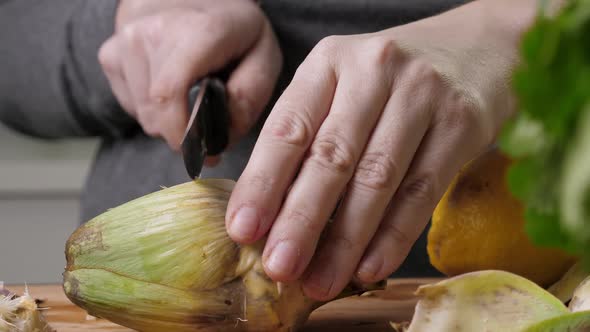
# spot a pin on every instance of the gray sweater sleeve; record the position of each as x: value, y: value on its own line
x: 51, y: 84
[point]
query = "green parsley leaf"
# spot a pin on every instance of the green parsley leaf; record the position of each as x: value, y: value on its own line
x: 550, y: 136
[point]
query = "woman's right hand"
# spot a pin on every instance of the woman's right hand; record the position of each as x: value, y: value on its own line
x: 160, y: 48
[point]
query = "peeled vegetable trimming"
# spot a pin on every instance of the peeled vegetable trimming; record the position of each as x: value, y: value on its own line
x: 164, y: 262
x: 20, y: 313
x: 497, y: 301
x: 564, y: 288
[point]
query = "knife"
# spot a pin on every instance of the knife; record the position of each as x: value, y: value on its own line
x: 207, y: 131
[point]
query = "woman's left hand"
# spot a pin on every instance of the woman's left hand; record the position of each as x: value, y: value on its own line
x: 383, y: 121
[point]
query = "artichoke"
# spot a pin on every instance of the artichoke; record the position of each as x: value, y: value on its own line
x: 164, y: 262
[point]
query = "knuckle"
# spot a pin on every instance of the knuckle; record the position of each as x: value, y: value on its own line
x: 260, y: 182
x: 423, y: 78
x: 215, y: 25
x: 167, y: 87
x: 301, y: 220
x: 458, y: 112
x: 344, y: 242
x: 399, y: 237
x: 425, y: 72
x: 131, y: 33
x: 380, y: 51
x: 107, y: 56
x: 424, y: 84
x: 154, y: 29
x: 376, y: 171
x: 243, y: 99
x: 254, y: 12
x: 150, y: 128
x: 292, y: 128
x: 420, y: 190
x: 332, y: 152
x: 148, y: 122
x: 326, y: 47
x: 462, y: 116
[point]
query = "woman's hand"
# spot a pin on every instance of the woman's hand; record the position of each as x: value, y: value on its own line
x: 383, y: 121
x: 161, y: 48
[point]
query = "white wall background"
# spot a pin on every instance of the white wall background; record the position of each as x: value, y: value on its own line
x: 40, y: 184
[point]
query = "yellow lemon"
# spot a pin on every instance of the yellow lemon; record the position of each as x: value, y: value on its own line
x: 478, y: 225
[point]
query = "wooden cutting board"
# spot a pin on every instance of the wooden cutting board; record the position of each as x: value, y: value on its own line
x: 361, y: 313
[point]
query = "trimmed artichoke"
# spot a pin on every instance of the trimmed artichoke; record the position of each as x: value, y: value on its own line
x: 164, y: 262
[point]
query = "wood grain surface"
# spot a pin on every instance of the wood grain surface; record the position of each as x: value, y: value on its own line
x: 360, y: 313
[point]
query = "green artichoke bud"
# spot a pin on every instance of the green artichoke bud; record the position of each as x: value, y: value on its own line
x: 164, y: 262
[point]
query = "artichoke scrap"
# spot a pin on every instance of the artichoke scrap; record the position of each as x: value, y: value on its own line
x: 565, y: 287
x: 20, y: 313
x: 164, y: 262
x: 497, y: 301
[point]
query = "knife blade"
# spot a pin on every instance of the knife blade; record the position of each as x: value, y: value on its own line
x: 207, y: 131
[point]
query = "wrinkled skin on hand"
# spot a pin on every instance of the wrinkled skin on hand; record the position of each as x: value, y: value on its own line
x: 381, y: 123
x: 160, y: 48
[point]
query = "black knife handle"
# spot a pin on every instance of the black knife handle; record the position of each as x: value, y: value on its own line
x: 213, y: 118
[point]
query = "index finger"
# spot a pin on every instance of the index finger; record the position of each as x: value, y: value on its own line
x: 281, y: 146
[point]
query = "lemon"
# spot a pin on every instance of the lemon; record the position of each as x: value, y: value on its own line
x: 479, y: 225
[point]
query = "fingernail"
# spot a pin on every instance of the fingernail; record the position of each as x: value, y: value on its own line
x: 283, y: 259
x: 369, y: 268
x: 319, y: 284
x: 245, y: 223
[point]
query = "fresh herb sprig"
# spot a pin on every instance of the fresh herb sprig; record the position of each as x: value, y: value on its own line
x: 549, y: 138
